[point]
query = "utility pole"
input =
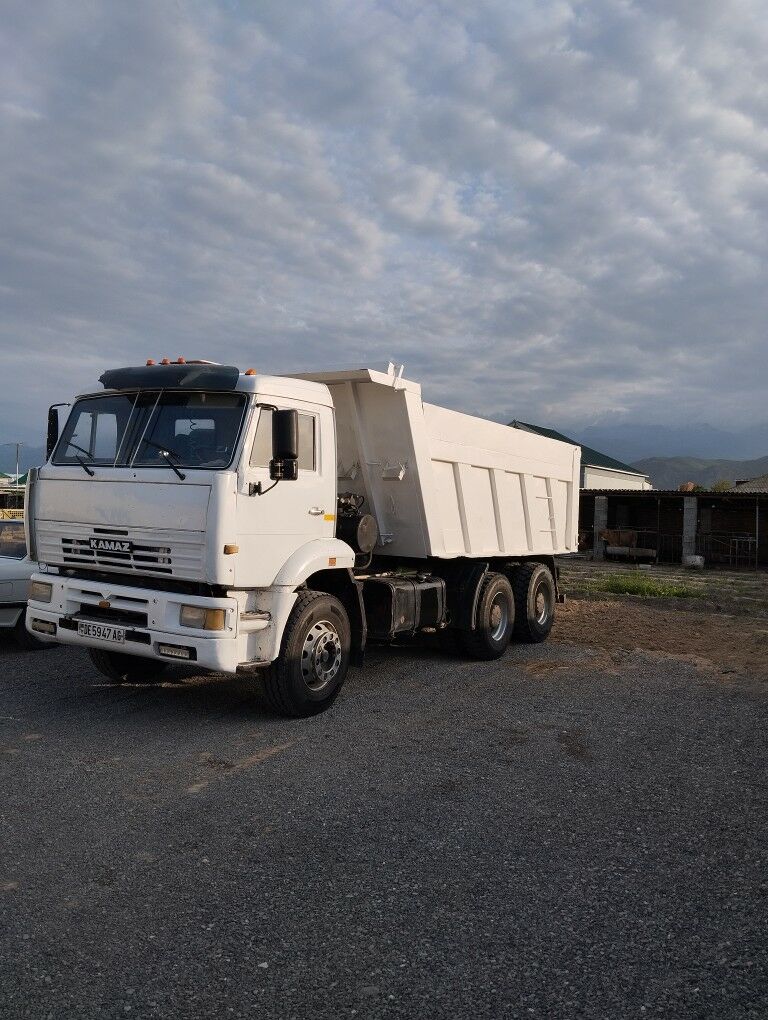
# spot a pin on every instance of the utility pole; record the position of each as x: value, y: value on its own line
x: 18, y: 447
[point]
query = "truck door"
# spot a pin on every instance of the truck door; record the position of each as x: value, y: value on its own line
x: 275, y: 524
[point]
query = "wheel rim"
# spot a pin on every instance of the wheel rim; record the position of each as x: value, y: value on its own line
x: 541, y: 604
x: 321, y: 656
x: 499, y: 617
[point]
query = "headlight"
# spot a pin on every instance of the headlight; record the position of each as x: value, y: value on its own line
x: 201, y: 618
x: 40, y: 591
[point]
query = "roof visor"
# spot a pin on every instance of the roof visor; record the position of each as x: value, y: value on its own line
x: 170, y: 377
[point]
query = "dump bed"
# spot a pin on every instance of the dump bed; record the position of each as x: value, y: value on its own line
x: 446, y: 484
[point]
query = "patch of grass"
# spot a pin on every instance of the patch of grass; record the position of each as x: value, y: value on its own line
x: 637, y: 584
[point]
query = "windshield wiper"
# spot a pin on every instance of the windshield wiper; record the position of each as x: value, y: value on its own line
x: 80, y: 461
x: 168, y: 454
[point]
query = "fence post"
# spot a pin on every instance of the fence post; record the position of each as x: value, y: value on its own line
x: 690, y: 519
x: 600, y: 524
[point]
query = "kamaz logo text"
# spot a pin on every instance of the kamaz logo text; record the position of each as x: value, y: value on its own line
x: 110, y: 545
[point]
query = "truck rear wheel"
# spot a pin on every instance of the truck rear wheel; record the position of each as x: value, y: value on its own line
x: 126, y: 669
x: 495, y: 620
x: 314, y: 657
x: 534, y: 589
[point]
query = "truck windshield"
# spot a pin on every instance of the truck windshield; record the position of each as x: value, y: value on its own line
x: 196, y: 430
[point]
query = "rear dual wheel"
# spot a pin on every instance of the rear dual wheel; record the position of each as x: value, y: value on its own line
x: 535, y: 597
x: 525, y: 607
x: 494, y: 621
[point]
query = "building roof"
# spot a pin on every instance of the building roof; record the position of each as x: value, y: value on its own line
x: 728, y: 496
x: 759, y: 484
x: 589, y: 456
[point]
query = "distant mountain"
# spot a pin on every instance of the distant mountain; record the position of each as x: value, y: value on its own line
x: 29, y: 456
x: 633, y: 442
x: 670, y: 472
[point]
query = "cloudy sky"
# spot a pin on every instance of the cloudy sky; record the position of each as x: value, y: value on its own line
x: 550, y: 210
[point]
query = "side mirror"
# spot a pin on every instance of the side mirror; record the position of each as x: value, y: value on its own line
x: 284, y: 465
x: 53, y: 430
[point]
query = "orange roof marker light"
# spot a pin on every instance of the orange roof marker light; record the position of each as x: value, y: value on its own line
x: 180, y: 361
x: 151, y: 361
x: 250, y: 371
x: 165, y: 361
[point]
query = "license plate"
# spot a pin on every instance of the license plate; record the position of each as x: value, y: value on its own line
x: 102, y: 631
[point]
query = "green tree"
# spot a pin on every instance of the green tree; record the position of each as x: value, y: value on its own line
x: 722, y: 485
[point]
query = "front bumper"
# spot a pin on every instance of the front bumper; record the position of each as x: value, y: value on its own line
x: 76, y: 600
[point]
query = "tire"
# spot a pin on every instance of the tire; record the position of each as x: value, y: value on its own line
x: 314, y: 657
x: 495, y: 620
x: 534, y: 589
x: 126, y: 669
x: 26, y: 641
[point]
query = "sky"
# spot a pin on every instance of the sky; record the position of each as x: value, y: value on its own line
x: 550, y: 210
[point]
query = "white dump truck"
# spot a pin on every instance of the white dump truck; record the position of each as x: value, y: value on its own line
x: 190, y: 512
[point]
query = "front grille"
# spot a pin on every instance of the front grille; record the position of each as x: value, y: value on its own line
x: 152, y: 552
x: 142, y: 557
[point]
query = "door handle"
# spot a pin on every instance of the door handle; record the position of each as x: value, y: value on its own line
x: 316, y: 511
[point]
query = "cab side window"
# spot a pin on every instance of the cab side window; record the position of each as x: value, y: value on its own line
x: 307, y: 442
x: 262, y: 443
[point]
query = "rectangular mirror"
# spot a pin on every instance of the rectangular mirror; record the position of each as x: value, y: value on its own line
x: 285, y: 445
x: 53, y: 430
x: 285, y: 435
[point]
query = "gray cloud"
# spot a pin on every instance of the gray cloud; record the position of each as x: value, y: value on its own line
x: 553, y: 210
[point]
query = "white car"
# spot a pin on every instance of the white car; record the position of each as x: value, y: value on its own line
x: 15, y: 570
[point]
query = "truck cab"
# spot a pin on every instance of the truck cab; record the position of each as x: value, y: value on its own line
x: 159, y: 527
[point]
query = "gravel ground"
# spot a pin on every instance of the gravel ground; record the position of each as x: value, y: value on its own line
x: 559, y: 834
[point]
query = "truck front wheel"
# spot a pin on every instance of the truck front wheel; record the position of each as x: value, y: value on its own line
x: 126, y: 669
x: 534, y: 589
x: 314, y: 657
x: 495, y: 619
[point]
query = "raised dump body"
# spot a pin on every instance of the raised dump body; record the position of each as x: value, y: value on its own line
x: 441, y: 483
